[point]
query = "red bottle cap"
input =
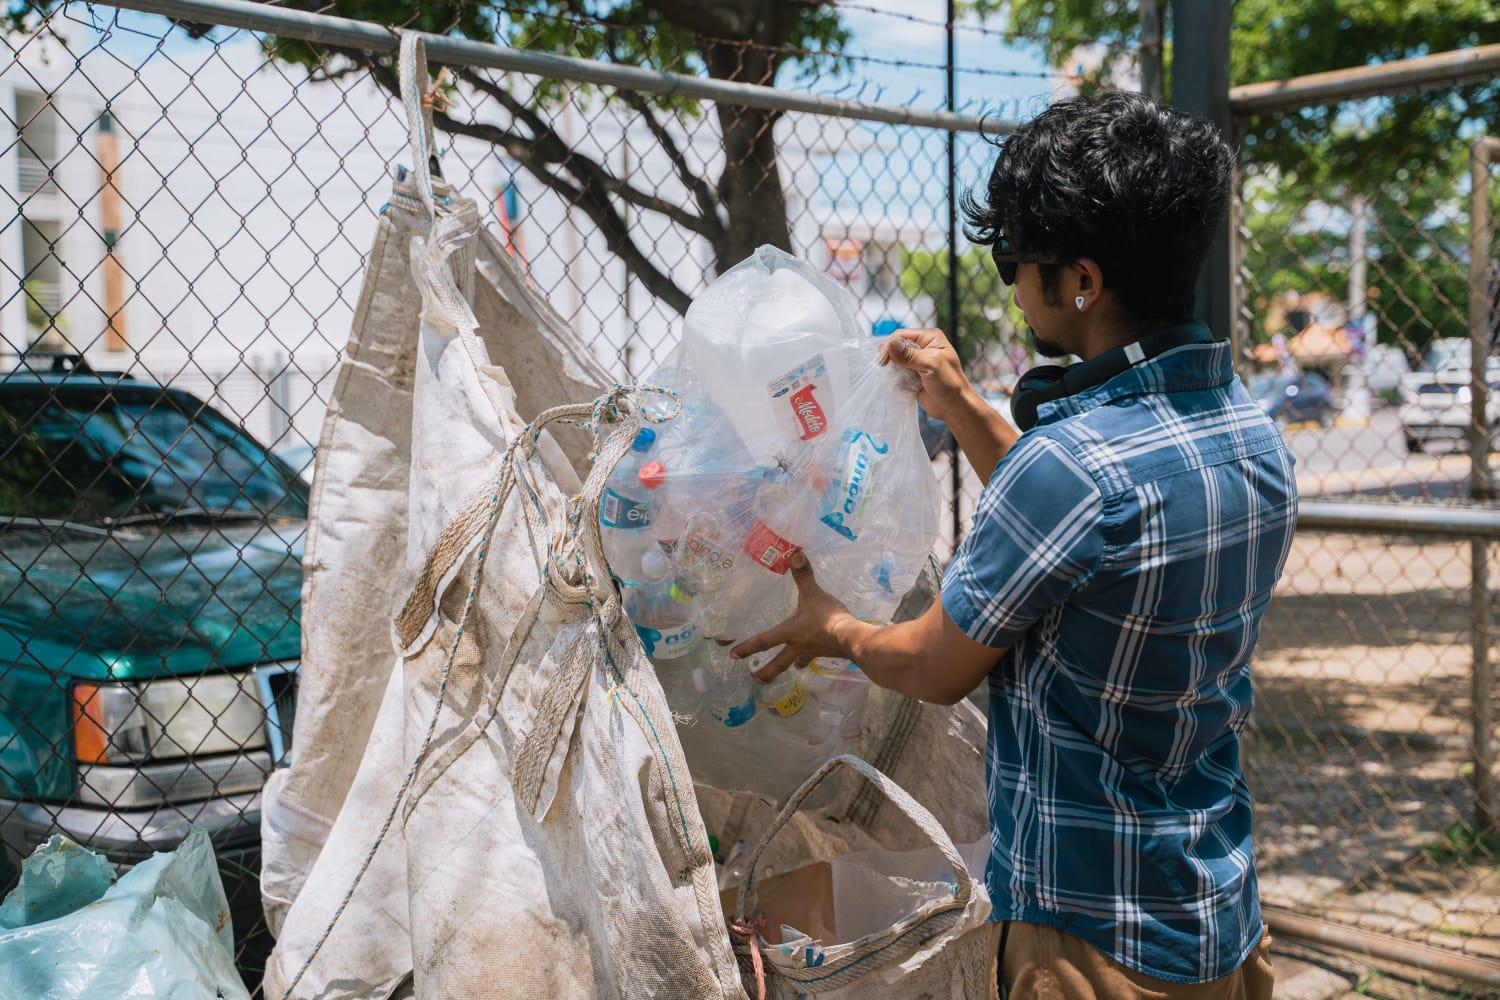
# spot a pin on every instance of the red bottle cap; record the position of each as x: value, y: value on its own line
x: 652, y: 475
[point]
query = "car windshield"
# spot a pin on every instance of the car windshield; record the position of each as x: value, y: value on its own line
x: 101, y: 454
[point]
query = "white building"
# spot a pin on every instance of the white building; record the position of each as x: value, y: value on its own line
x: 197, y: 214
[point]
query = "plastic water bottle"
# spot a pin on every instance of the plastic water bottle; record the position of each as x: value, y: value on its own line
x: 785, y: 694
x: 729, y: 691
x: 662, y: 612
x: 625, y: 514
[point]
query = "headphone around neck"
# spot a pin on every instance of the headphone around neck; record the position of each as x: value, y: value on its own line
x: 1045, y: 383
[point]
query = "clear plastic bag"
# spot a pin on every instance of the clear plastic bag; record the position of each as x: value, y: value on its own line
x: 789, y: 435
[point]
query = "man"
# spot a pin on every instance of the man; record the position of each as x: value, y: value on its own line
x: 1112, y: 585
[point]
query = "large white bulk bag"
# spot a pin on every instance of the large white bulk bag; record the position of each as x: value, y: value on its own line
x: 517, y: 816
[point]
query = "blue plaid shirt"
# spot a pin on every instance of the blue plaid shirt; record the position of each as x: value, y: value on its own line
x: 1124, y: 551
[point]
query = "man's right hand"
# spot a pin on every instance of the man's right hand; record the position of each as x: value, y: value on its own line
x: 982, y: 433
x: 928, y: 353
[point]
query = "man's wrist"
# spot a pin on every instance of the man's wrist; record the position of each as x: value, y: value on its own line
x: 848, y: 635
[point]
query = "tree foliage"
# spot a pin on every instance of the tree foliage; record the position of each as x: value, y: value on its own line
x: 1405, y: 155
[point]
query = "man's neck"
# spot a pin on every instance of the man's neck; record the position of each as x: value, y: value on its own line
x: 1106, y: 335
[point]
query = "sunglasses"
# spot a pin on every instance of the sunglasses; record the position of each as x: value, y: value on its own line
x: 1008, y: 260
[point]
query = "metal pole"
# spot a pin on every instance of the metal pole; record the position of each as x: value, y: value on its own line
x: 955, y: 331
x: 1285, y: 923
x: 447, y: 50
x: 1443, y: 69
x: 1424, y: 519
x: 1480, y: 482
x: 1200, y: 84
x: 1150, y: 48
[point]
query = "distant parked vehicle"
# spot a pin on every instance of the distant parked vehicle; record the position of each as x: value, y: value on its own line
x: 1446, y: 353
x: 1295, y: 398
x: 149, y: 638
x: 1437, y: 404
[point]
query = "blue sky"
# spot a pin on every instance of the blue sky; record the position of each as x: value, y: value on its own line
x: 892, y: 37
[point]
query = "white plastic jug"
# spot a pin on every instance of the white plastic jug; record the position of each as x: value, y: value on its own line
x: 772, y: 349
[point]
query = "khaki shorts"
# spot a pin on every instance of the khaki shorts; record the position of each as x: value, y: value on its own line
x: 1043, y: 963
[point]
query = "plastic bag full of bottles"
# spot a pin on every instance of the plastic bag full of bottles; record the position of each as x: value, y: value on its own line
x: 786, y: 433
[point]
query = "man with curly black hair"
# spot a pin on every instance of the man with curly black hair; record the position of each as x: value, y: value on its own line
x: 1111, y: 588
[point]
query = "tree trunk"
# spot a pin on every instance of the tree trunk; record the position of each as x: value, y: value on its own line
x: 750, y: 184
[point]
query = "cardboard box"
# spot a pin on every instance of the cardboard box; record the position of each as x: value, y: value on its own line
x: 801, y: 898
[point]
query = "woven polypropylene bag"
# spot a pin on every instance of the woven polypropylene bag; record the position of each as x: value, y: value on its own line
x: 357, y: 529
x: 945, y: 947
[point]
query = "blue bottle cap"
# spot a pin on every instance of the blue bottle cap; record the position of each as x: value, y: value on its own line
x: 644, y: 439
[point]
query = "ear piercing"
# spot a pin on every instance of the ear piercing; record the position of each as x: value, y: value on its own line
x: 1079, y: 303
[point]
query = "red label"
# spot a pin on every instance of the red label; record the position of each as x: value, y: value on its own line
x: 768, y: 548
x: 810, y: 419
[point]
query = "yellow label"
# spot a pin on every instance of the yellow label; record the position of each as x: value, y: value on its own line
x: 792, y: 703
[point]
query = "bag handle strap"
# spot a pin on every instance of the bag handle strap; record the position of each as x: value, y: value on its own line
x: 414, y: 84
x: 897, y: 796
x: 462, y: 530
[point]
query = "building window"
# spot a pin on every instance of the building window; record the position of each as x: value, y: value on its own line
x: 106, y: 122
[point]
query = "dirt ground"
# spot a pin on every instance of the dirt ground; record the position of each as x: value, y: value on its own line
x: 1360, y: 755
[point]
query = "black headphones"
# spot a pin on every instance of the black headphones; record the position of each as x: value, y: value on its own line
x: 1045, y: 383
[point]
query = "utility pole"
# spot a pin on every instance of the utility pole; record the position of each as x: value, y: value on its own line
x: 1153, y: 38
x: 1200, y: 84
x: 956, y: 480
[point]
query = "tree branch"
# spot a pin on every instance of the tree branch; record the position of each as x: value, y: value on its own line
x: 703, y: 193
x: 551, y: 147
x: 591, y: 194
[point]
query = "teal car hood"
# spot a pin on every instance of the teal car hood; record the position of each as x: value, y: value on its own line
x: 143, y: 603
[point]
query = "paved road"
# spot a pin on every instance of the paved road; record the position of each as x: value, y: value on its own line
x: 1369, y: 461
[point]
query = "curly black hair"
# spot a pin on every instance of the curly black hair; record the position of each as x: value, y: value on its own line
x: 1138, y: 187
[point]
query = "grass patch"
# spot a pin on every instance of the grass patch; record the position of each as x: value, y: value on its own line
x: 1462, y: 843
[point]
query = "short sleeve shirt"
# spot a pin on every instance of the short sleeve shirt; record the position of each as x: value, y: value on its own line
x: 1124, y: 551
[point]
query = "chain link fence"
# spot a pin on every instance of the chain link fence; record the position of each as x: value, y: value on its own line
x: 188, y: 214
x: 1366, y: 284
x: 189, y: 209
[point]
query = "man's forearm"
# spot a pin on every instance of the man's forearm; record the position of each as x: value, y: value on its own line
x: 981, y: 432
x: 911, y: 657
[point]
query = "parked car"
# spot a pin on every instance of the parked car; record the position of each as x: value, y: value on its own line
x: 299, y: 456
x: 1293, y: 398
x: 149, y: 632
x: 1437, y: 405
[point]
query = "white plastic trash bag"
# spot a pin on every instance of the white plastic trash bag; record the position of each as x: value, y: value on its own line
x: 70, y: 929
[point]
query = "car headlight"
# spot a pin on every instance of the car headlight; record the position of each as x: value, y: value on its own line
x: 167, y: 719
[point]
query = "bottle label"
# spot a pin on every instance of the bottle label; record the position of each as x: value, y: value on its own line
x: 704, y: 551
x: 667, y: 644
x: 616, y: 511
x: 844, y: 504
x: 800, y: 397
x: 768, y: 548
x: 791, y: 703
x: 735, y: 715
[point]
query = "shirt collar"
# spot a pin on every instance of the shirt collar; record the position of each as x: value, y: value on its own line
x: 1182, y: 369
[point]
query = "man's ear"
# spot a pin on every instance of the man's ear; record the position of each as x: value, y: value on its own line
x: 1088, y: 281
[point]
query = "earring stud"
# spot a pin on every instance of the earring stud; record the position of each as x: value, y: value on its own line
x: 1079, y: 303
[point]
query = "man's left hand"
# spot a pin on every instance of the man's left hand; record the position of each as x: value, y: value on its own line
x: 820, y: 626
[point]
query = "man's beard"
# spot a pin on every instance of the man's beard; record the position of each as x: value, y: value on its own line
x: 1046, y: 348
